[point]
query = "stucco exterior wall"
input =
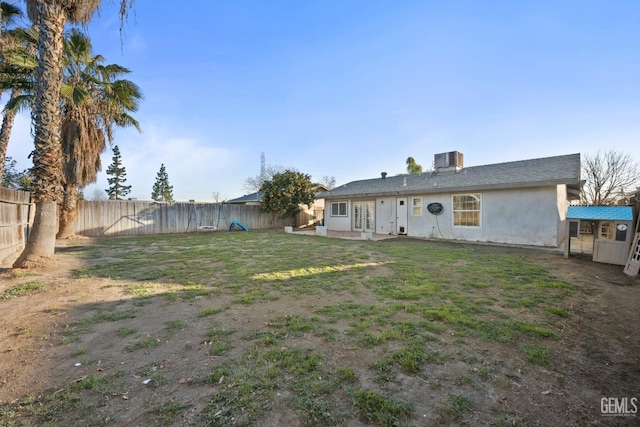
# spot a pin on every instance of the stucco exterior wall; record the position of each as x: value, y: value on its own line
x: 532, y: 216
x: 519, y: 216
x: 337, y: 223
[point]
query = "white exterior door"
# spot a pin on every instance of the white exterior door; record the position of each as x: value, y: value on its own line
x: 401, y: 215
x: 364, y: 216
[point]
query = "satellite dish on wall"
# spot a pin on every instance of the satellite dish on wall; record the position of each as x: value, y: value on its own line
x: 435, y: 208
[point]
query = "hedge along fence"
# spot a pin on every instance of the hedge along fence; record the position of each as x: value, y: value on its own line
x: 16, y: 215
x: 132, y: 217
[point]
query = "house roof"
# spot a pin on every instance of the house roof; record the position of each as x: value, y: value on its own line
x: 247, y: 198
x: 601, y: 213
x: 520, y: 174
x: 257, y: 196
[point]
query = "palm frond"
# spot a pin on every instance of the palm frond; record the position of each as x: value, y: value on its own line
x: 74, y: 94
x: 19, y: 58
x: 94, y: 103
x: 9, y: 13
x: 20, y: 103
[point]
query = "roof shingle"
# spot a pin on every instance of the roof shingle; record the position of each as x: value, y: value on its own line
x: 524, y: 173
x: 247, y: 198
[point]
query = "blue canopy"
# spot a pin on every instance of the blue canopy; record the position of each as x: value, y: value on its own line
x: 601, y: 213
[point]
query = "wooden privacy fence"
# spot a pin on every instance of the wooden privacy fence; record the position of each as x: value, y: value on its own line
x: 132, y: 217
x: 126, y: 218
x: 16, y: 215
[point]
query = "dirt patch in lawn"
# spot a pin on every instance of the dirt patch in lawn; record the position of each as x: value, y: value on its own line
x: 114, y: 357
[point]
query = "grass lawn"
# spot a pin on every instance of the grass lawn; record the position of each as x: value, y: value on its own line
x: 268, y: 328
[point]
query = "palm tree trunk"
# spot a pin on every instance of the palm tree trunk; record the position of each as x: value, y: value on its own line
x: 47, y: 156
x: 41, y: 254
x: 5, y: 133
x: 67, y: 221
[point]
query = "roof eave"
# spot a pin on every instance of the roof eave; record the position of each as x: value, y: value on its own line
x: 571, y: 183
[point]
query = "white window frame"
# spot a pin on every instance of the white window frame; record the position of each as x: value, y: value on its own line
x: 606, y: 230
x: 455, y: 210
x: 417, y: 206
x: 346, y: 211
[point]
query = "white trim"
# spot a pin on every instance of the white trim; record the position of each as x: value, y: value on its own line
x: 346, y: 209
x: 414, y: 207
x: 479, y: 210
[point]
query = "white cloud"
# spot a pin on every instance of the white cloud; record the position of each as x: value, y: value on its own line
x: 196, y: 168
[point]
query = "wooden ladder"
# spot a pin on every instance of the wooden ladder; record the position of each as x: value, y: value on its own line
x: 633, y: 262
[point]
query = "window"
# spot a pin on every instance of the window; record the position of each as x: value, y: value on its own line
x: 339, y: 209
x: 416, y: 203
x: 606, y: 231
x: 466, y: 210
x: 612, y: 231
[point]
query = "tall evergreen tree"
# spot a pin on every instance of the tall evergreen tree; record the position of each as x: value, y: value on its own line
x: 117, y: 190
x: 162, y: 191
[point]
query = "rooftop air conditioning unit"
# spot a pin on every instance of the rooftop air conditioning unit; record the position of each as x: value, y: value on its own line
x: 449, y: 160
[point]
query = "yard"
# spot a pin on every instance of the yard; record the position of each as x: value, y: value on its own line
x: 273, y: 329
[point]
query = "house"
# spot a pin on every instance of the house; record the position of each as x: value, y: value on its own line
x: 522, y: 202
x: 308, y: 216
x: 253, y: 199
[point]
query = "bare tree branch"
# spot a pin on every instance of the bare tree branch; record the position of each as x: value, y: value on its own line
x: 608, y: 176
x: 253, y: 183
x: 328, y: 181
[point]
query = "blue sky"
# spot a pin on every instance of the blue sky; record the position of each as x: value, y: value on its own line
x: 348, y: 88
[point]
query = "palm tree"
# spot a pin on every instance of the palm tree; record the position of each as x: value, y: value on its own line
x: 50, y: 16
x: 94, y: 101
x: 412, y: 166
x: 9, y: 14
